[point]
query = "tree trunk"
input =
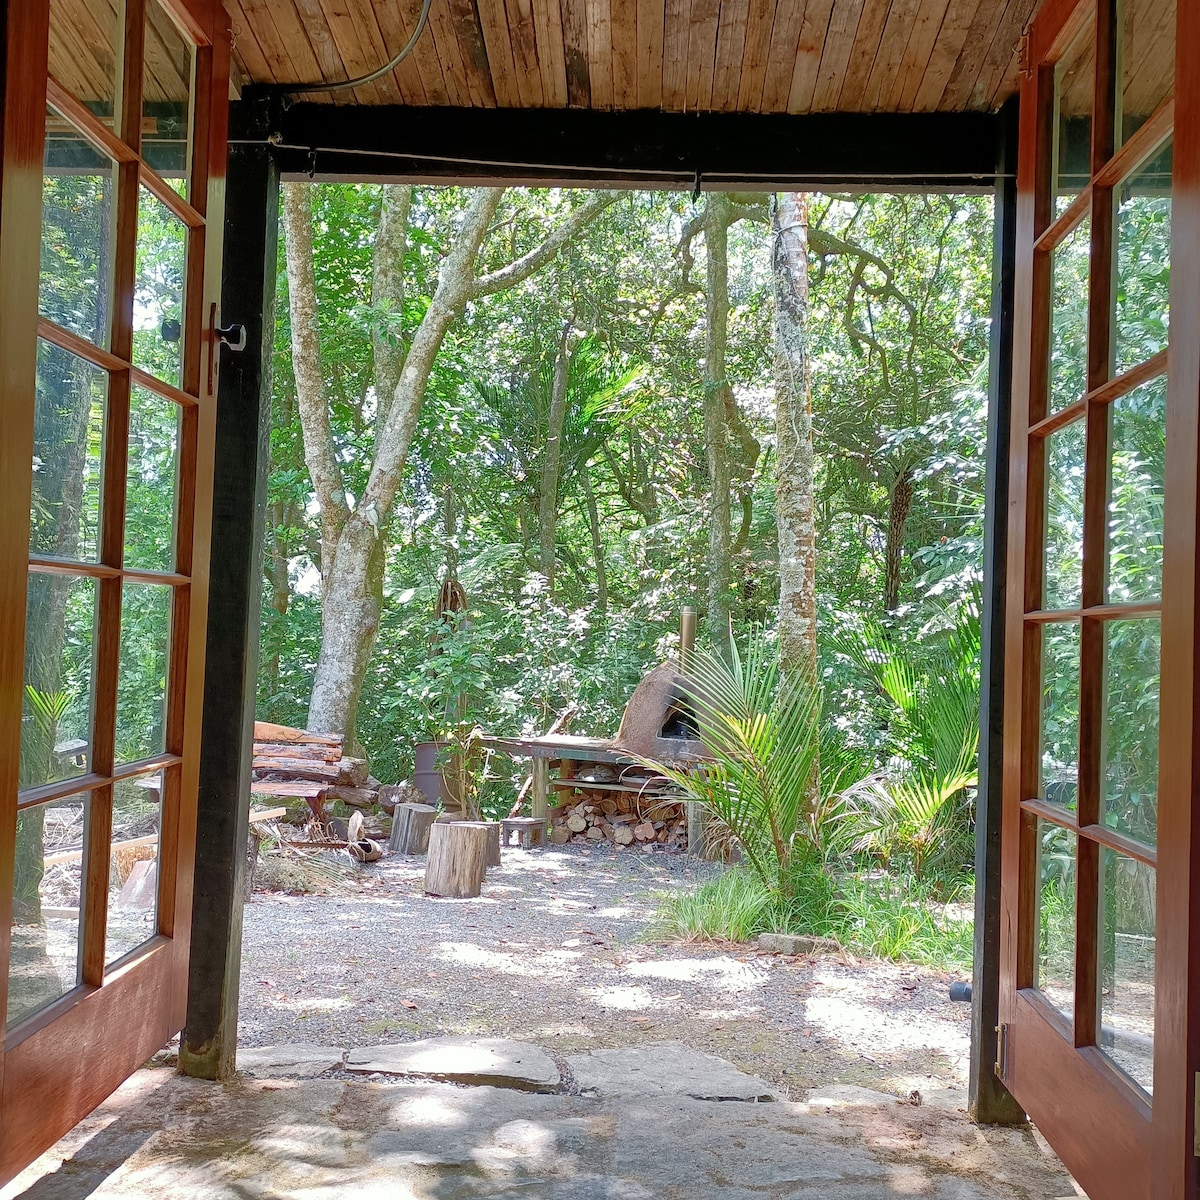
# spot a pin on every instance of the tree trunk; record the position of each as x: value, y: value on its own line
x: 716, y: 445
x: 589, y: 496
x: 899, y: 504
x: 794, y: 439
x: 552, y: 463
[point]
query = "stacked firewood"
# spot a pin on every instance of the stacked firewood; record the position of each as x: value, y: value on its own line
x: 626, y: 818
x: 310, y: 766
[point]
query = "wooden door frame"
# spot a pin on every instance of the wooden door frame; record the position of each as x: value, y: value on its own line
x: 47, y: 1083
x: 1120, y: 1131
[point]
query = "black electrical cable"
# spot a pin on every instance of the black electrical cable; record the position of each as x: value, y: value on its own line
x: 362, y: 80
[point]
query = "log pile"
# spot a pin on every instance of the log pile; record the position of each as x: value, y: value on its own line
x: 625, y: 818
x: 295, y: 763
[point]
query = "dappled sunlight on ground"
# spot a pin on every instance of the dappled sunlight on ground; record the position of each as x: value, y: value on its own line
x: 723, y: 974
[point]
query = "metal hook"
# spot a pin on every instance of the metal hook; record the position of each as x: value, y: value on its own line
x: 696, y: 189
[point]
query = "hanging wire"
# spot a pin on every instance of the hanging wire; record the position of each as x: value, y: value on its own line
x: 362, y: 80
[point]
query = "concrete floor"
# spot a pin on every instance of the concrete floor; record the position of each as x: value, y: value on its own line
x: 281, y: 1135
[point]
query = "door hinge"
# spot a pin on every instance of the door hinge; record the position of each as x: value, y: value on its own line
x: 1001, y: 1050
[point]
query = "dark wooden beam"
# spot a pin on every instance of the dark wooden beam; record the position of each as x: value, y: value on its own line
x: 882, y: 151
x: 209, y: 1041
x: 989, y: 1101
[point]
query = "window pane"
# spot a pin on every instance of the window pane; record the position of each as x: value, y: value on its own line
x: 56, y: 717
x: 150, y: 484
x: 1147, y: 60
x: 133, y: 873
x: 1057, y: 860
x: 158, y: 294
x: 1135, y: 505
x: 1130, y: 750
x: 1074, y: 87
x: 44, y: 960
x: 167, y: 96
x: 142, y: 682
x: 84, y: 42
x: 1143, y: 262
x: 68, y: 450
x: 1069, y: 316
x: 1127, y: 965
x: 1063, y: 562
x: 78, y: 186
x: 1059, y: 752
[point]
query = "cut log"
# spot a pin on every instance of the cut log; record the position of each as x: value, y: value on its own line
x: 299, y: 768
x: 561, y: 835
x: 266, y: 731
x: 288, y: 787
x: 353, y: 772
x: 493, y: 844
x: 577, y: 823
x: 410, y: 828
x: 622, y: 835
x: 457, y: 860
x: 355, y: 797
x: 297, y: 750
x: 595, y: 835
x: 645, y: 832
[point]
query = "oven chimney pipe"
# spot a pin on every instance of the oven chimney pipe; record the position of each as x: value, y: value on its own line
x: 687, y: 638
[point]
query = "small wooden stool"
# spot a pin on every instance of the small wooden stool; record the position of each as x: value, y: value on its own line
x: 530, y: 831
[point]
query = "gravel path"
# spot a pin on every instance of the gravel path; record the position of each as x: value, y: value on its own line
x: 554, y: 952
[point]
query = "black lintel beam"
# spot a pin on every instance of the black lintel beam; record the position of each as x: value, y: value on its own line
x: 915, y: 151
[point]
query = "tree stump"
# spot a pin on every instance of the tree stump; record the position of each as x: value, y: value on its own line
x: 410, y: 828
x: 493, y: 843
x: 457, y: 860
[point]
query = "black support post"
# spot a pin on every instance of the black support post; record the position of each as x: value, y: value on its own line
x: 209, y: 1043
x: 990, y: 1102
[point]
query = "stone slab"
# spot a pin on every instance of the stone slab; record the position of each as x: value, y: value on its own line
x: 847, y: 1095
x: 268, y: 1062
x: 664, y: 1069
x: 493, y: 1062
x: 786, y: 943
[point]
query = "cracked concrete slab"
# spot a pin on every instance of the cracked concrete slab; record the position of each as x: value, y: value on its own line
x: 491, y: 1062
x: 664, y: 1069
x: 271, y: 1062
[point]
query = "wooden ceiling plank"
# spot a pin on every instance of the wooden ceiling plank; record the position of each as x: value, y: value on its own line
x: 813, y: 33
x: 702, y: 54
x: 246, y: 50
x: 760, y: 19
x: 890, y: 55
x: 344, y: 23
x: 862, y: 55
x: 675, y: 55
x: 599, y: 16
x: 465, y: 15
x: 75, y: 61
x: 525, y: 52
x: 623, y: 16
x: 552, y: 57
x: 493, y: 20
x: 396, y: 25
x: 280, y: 35
x: 731, y: 48
x: 575, y: 48
x: 456, y: 71
x: 985, y: 30
x: 1009, y: 82
x: 651, y: 17
x: 781, y: 57
x: 921, y: 40
x: 1153, y: 52
x: 1005, y: 45
x: 960, y: 16
x: 839, y: 41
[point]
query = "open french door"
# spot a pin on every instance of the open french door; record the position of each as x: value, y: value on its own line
x: 1099, y: 945
x: 114, y: 128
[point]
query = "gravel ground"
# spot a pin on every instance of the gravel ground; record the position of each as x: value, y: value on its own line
x: 554, y: 951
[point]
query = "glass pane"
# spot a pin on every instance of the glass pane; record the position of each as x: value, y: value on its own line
x: 142, y: 682
x: 1147, y: 60
x: 44, y: 960
x: 78, y: 186
x: 1130, y: 749
x: 158, y: 294
x: 1074, y: 86
x: 133, y: 869
x: 167, y: 95
x: 1135, y: 504
x: 84, y: 42
x: 1059, y: 751
x: 150, y: 484
x: 1127, y: 965
x: 1057, y: 860
x: 1063, y: 562
x: 1069, y: 316
x: 68, y: 451
x: 1143, y: 262
x: 56, y: 717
